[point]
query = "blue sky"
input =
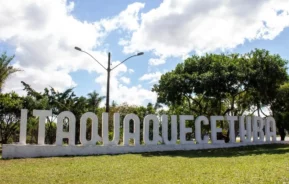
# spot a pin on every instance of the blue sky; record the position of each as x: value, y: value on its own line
x: 42, y: 35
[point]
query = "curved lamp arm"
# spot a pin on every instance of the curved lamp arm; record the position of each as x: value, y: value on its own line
x: 79, y: 49
x: 138, y: 54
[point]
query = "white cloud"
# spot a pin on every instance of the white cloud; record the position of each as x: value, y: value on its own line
x: 125, y: 80
x: 130, y: 70
x: 70, y: 6
x: 137, y: 95
x: 151, y: 77
x: 44, y: 34
x: 120, y: 93
x: 155, y: 61
x: 127, y: 20
x: 43, y: 78
x: 176, y: 28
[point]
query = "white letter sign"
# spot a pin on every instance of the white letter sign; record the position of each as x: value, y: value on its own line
x: 128, y: 128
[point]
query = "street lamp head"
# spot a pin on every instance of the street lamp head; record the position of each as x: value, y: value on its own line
x: 140, y: 53
x: 77, y: 48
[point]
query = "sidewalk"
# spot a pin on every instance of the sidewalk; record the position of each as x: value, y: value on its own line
x: 277, y: 138
x: 286, y: 138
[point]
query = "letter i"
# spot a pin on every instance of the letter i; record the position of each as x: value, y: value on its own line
x: 23, y: 126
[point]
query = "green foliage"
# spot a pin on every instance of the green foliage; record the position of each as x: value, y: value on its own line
x: 280, y: 107
x: 224, y: 84
x: 32, y: 130
x: 5, y: 69
x: 94, y: 101
x: 216, y: 84
x: 57, y: 102
x: 68, y: 101
x: 267, y: 74
x: 10, y: 106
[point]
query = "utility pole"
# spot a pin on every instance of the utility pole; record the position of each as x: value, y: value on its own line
x: 108, y: 83
x: 108, y: 70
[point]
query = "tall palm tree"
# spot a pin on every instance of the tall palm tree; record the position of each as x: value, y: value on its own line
x: 94, y: 100
x: 5, y: 69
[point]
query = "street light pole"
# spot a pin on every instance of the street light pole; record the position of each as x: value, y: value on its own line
x: 108, y: 84
x: 108, y: 70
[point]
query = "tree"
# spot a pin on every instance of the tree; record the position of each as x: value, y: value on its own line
x: 57, y: 102
x: 113, y: 104
x: 32, y: 130
x: 150, y: 108
x: 223, y: 84
x: 280, y: 109
x: 10, y: 110
x: 5, y: 69
x: 45, y: 101
x: 224, y: 81
x: 268, y: 73
x: 94, y: 100
x: 202, y: 81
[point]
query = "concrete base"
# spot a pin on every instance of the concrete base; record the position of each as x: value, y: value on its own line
x: 29, y: 151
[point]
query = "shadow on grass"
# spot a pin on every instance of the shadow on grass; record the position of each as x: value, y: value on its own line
x: 226, y: 152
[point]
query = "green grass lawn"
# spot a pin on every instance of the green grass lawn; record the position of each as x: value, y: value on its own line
x: 257, y: 164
